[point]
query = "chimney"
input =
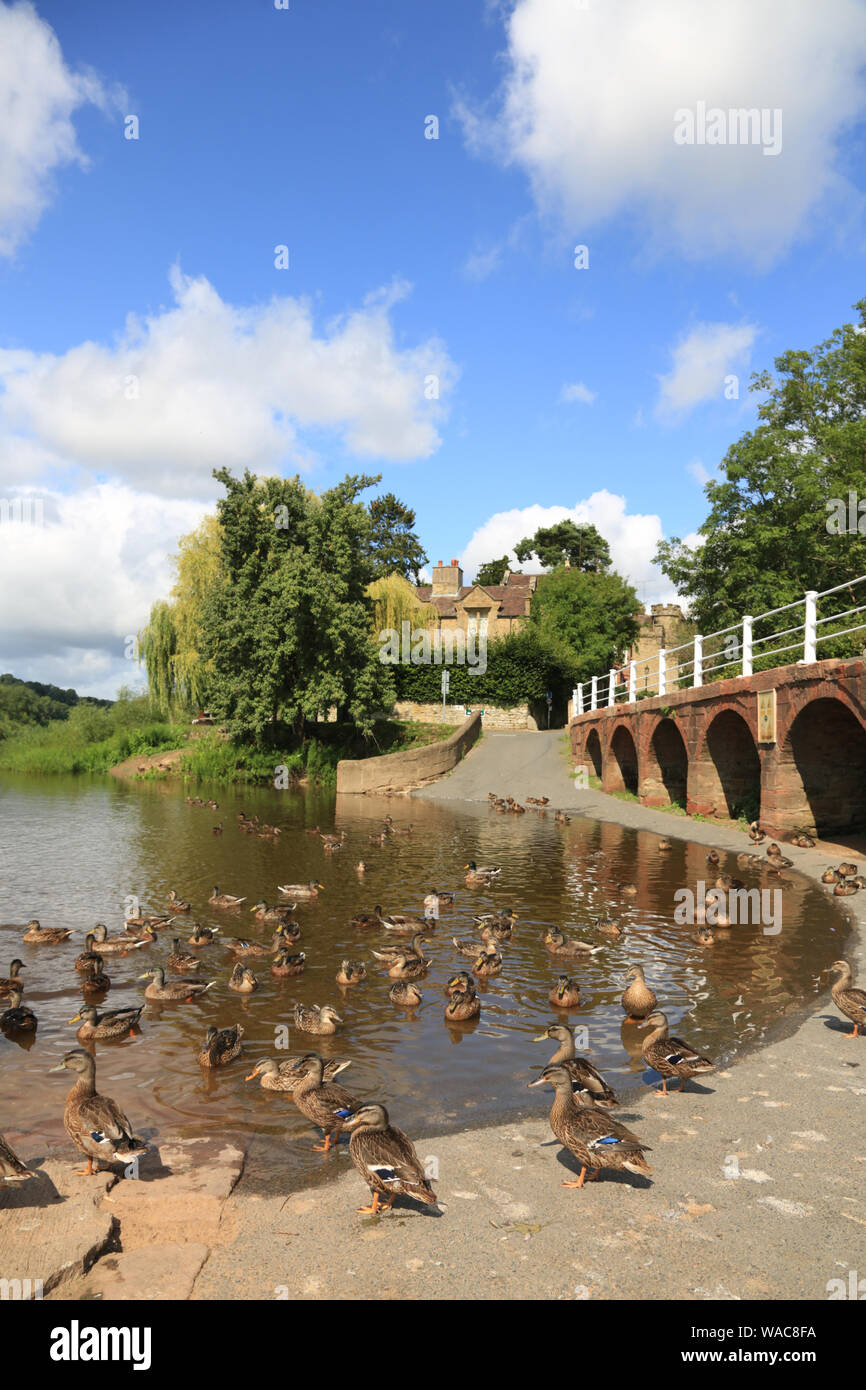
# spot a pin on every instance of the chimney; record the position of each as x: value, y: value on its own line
x: 447, y: 580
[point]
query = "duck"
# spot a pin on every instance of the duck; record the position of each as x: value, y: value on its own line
x: 481, y: 873
x: 115, y: 945
x: 434, y: 900
x: 803, y: 842
x: 565, y: 994
x: 398, y: 829
x: 116, y: 1023
x: 405, y: 993
x: 609, y: 926
x: 282, y: 1076
x: 12, y: 980
x: 360, y: 867
x: 217, y: 829
x: 747, y: 860
x: 180, y: 960
x: 95, y: 981
x: 638, y: 999
x: 628, y: 890
x: 202, y: 936
x: 664, y: 845
x: 496, y: 926
x: 242, y: 980
x: 241, y: 947
x: 402, y: 925
x: 462, y: 982
x: 671, y: 1056
x: 17, y: 1018
x: 35, y: 935
x: 351, y: 972
x: 703, y: 937
x: 277, y: 913
x: 831, y: 876
x: 466, y: 948
x: 146, y: 934
x: 177, y: 904
x: 726, y: 883
x: 96, y: 1124
x: 561, y: 818
x: 378, y: 839
x: 386, y: 1159
x: 778, y: 860
x: 146, y: 919
x: 463, y: 1004
x: 847, y: 870
x: 301, y: 890
x: 560, y: 945
x: 85, y: 962
x: 309, y: 1018
x: 11, y: 1167
x: 596, y: 1140
x: 756, y: 834
x: 221, y: 1046
x: 286, y: 963
x: 367, y: 919
x: 848, y: 1000
x: 321, y: 1101
x: 218, y: 899
x: 488, y: 962
x: 584, y: 1076
x: 413, y: 948
x: 184, y: 989
x: 845, y: 889
x: 403, y: 966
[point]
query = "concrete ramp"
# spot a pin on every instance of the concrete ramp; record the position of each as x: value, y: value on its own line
x: 514, y: 764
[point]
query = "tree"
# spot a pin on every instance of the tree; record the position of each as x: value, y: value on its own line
x: 169, y: 645
x: 394, y: 546
x: 395, y: 602
x: 287, y: 624
x: 773, y: 529
x: 492, y: 571
x: 595, y: 615
x: 577, y: 542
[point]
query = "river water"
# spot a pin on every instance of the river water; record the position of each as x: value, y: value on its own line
x: 73, y: 849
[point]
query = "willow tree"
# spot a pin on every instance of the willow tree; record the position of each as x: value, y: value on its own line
x: 170, y: 646
x: 395, y: 602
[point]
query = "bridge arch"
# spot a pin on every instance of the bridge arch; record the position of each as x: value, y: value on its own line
x: 665, y: 770
x: 592, y: 752
x: 620, y: 766
x: 822, y: 770
x: 726, y: 772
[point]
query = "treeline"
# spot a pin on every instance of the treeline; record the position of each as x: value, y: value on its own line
x: 27, y: 703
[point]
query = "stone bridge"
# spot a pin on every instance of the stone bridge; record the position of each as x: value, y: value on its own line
x: 702, y: 748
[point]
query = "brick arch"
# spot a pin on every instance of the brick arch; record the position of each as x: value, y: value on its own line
x: 821, y: 775
x: 725, y: 775
x: 665, y: 766
x: 620, y: 764
x: 592, y: 751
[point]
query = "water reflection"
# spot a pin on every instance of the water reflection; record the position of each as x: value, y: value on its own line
x: 74, y: 850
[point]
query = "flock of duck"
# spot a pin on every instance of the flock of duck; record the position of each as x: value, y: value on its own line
x: 384, y: 1156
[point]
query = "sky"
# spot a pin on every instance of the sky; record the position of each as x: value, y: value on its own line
x: 341, y: 237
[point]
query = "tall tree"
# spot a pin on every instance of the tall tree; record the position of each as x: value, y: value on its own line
x: 780, y: 521
x: 577, y: 542
x: 394, y: 546
x: 492, y: 571
x: 287, y: 624
x: 595, y: 615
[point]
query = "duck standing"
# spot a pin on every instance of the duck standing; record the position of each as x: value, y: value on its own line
x: 320, y: 1100
x: 669, y: 1056
x: 96, y: 1124
x: 849, y: 1000
x: 386, y: 1159
x: 596, y: 1140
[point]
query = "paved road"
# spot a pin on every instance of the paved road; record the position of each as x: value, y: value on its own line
x: 519, y: 764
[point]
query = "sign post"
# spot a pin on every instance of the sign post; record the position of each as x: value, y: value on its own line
x: 549, y: 704
x: 446, y: 682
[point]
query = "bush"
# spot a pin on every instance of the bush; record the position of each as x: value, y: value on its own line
x: 521, y: 668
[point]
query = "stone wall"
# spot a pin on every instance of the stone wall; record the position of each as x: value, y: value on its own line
x: 412, y: 768
x: 494, y: 716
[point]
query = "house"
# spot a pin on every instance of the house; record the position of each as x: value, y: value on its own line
x: 491, y: 610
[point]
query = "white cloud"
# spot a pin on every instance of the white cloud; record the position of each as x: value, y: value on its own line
x: 701, y: 361
x: 632, y: 538
x: 205, y: 384
x: 587, y: 110
x: 480, y: 264
x: 92, y: 570
x: 38, y: 96
x: 577, y: 392
x: 697, y: 470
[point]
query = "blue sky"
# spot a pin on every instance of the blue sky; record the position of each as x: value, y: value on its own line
x: 409, y: 257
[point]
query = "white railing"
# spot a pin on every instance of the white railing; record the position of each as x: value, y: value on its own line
x: 737, y: 646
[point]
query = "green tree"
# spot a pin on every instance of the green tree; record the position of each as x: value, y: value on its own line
x: 492, y: 571
x: 394, y: 546
x: 577, y: 542
x: 595, y: 615
x: 766, y: 538
x: 287, y: 625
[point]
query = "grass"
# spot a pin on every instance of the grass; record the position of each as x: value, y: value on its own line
x: 57, y: 748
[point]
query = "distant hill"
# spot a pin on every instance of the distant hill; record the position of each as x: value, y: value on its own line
x: 33, y: 702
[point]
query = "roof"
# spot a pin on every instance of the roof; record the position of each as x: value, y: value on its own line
x: 511, y: 596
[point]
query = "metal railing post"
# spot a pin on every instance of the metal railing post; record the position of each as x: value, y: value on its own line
x: 698, y: 664
x: 632, y: 681
x: 611, y: 687
x: 594, y: 695
x: 663, y: 684
x: 747, y: 645
x: 579, y: 694
x: 810, y: 633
